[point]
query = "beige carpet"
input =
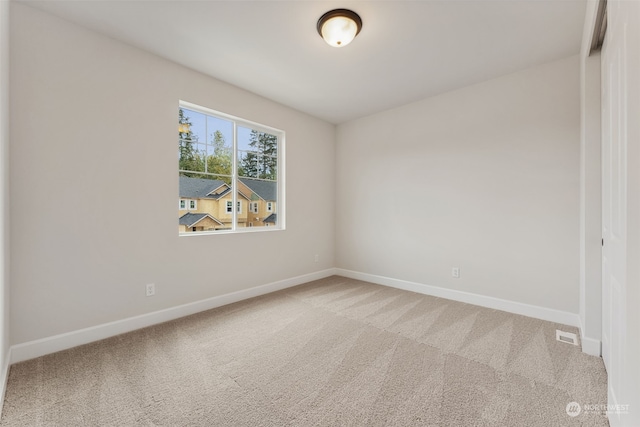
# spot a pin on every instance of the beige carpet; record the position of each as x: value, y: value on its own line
x: 332, y: 352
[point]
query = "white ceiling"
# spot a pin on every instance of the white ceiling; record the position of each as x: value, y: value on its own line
x: 407, y: 50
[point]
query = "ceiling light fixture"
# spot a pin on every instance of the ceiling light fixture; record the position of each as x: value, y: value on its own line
x: 339, y: 27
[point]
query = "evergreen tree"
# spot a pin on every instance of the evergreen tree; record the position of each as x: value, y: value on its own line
x: 261, y: 162
x: 188, y: 157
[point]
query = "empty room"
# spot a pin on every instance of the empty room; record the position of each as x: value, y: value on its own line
x: 320, y: 213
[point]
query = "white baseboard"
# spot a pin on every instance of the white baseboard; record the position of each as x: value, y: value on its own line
x: 590, y: 346
x: 543, y: 313
x: 37, y: 348
x: 4, y: 378
x: 41, y: 347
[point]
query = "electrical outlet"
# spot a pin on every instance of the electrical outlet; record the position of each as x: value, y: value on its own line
x: 317, y: 258
x: 151, y: 289
x: 455, y: 272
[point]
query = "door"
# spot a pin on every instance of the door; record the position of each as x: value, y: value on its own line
x: 614, y: 196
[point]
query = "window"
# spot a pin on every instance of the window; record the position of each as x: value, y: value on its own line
x: 225, y: 161
x: 188, y: 204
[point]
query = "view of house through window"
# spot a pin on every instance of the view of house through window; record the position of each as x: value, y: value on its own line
x: 225, y: 161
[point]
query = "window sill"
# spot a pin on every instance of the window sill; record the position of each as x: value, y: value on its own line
x: 248, y: 230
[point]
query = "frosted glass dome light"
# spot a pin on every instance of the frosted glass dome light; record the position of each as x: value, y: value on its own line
x: 339, y: 27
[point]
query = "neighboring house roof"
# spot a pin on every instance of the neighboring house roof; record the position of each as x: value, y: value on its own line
x: 198, y: 188
x: 266, y: 190
x: 220, y: 194
x: 191, y: 219
x: 271, y: 218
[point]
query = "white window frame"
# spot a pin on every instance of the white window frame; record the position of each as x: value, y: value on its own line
x: 280, y: 194
x: 253, y: 207
x: 229, y: 206
x: 182, y: 204
x: 269, y: 206
x: 195, y: 205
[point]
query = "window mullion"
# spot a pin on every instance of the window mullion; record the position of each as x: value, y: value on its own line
x: 234, y: 179
x: 206, y: 145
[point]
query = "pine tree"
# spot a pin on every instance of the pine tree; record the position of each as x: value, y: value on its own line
x: 188, y: 157
x: 262, y: 161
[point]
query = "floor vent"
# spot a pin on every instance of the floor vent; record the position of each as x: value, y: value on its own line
x: 567, y: 337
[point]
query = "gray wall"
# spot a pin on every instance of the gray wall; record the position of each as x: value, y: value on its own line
x: 485, y: 178
x: 94, y: 184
